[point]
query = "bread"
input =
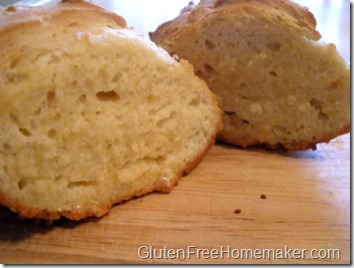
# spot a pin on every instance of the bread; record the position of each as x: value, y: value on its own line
x: 91, y: 113
x: 277, y: 83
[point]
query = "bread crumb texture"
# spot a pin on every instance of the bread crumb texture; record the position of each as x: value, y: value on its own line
x: 277, y: 83
x: 91, y: 113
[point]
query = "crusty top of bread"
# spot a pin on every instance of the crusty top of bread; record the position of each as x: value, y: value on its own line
x: 16, y: 20
x: 13, y: 16
x: 299, y: 15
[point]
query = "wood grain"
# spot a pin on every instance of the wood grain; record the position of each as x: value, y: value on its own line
x: 306, y: 206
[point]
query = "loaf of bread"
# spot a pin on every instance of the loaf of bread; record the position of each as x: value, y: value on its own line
x: 277, y: 83
x: 91, y: 113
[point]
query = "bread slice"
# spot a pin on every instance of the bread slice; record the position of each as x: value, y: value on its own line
x: 91, y: 113
x: 277, y: 83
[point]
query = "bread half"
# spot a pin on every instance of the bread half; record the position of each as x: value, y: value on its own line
x: 277, y: 83
x: 91, y: 113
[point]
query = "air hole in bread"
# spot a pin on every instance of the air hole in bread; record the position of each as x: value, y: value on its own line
x: 199, y: 73
x: 13, y: 118
x: 158, y: 159
x: 38, y: 111
x: 22, y: 184
x: 107, y: 96
x: 6, y: 169
x: 163, y: 121
x: 318, y: 106
x: 236, y: 119
x: 116, y: 78
x: 75, y: 184
x: 50, y: 96
x: 14, y: 63
x: 109, y: 146
x: 57, y: 117
x: 208, y: 68
x: 150, y: 98
x: 279, y: 131
x: 6, y: 147
x: 209, y: 44
x: 334, y: 85
x: 16, y: 78
x: 52, y: 133
x: 243, y: 84
x: 194, y: 102
x: 25, y: 132
x: 73, y: 24
x: 274, y: 46
x: 273, y: 73
x: 82, y: 98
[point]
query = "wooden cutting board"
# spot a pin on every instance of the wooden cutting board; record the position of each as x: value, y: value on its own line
x: 235, y: 204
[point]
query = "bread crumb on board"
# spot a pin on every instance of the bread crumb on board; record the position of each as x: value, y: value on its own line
x: 237, y: 211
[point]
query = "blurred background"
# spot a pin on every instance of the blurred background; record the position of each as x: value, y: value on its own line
x: 333, y: 16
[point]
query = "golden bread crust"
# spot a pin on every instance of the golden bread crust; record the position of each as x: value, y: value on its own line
x: 191, y: 15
